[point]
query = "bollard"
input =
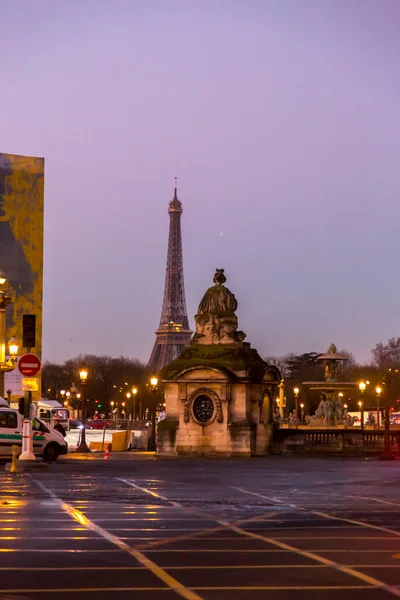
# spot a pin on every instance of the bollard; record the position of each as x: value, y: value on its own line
x: 107, y: 454
x: 14, y: 468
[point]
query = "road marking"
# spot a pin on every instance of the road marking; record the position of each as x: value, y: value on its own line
x: 170, y: 581
x: 87, y: 589
x: 283, y: 588
x: 371, y: 581
x: 50, y: 550
x: 321, y: 514
x: 150, y: 492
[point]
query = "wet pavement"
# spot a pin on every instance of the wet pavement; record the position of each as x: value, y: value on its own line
x: 276, y: 528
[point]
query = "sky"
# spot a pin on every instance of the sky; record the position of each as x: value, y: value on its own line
x: 281, y: 120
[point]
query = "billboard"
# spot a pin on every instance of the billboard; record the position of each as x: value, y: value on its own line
x: 21, y: 247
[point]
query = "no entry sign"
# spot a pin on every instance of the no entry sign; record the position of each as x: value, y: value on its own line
x: 29, y: 365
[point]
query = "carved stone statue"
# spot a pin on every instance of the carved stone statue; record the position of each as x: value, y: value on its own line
x: 218, y: 299
x: 216, y: 322
x: 330, y: 412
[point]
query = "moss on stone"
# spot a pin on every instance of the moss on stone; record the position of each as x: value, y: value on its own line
x: 218, y: 356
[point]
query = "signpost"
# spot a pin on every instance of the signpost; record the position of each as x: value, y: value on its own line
x: 29, y: 366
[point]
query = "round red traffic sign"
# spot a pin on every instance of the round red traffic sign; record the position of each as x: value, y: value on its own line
x: 29, y: 365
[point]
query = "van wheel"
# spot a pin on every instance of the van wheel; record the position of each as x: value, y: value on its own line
x: 51, y: 452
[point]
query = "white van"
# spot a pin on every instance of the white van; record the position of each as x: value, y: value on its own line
x: 50, y: 410
x: 47, y: 442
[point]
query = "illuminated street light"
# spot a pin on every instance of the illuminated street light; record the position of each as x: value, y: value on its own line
x: 389, y: 376
x: 378, y: 391
x: 296, y: 391
x: 83, y: 376
x: 5, y: 365
x: 361, y: 386
x: 13, y: 347
x: 134, y: 403
x: 154, y: 387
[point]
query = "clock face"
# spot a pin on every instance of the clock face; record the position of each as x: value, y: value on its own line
x: 203, y: 409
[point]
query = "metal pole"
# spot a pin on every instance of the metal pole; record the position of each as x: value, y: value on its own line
x: 362, y: 413
x: 153, y: 423
x: 387, y: 453
x: 296, y: 410
x: 378, y: 418
x: 83, y: 447
x: 2, y: 341
x: 386, y: 445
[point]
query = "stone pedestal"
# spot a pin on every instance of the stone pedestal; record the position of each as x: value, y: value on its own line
x: 219, y: 393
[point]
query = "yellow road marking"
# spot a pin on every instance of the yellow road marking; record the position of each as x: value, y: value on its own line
x: 322, y: 514
x: 172, y: 583
x: 284, y: 587
x: 104, y: 589
x: 307, y: 554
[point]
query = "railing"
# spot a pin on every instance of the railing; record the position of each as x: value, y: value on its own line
x: 320, y: 439
x: 348, y: 440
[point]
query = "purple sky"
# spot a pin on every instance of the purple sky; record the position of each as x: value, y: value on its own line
x: 281, y: 119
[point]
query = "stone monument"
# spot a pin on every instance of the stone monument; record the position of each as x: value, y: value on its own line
x: 219, y: 393
x: 331, y: 411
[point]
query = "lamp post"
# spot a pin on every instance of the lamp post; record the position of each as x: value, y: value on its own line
x: 5, y: 365
x: 296, y: 391
x: 361, y: 386
x: 378, y: 391
x: 154, y: 387
x: 387, y: 453
x: 302, y: 412
x: 281, y: 399
x: 83, y: 447
x: 128, y: 396
x: 360, y: 406
x: 134, y: 405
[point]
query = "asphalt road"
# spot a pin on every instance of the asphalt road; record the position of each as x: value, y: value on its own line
x: 277, y: 528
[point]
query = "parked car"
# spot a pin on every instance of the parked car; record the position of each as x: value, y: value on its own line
x: 77, y: 424
x: 99, y: 423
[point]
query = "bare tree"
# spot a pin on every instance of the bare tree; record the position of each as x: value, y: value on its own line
x: 387, y: 356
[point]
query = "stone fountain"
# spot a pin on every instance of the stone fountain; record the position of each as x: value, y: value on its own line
x: 330, y: 411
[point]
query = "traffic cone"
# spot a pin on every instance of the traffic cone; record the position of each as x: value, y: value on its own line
x: 107, y: 454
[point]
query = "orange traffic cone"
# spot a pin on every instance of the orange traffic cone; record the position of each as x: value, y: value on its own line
x: 107, y: 454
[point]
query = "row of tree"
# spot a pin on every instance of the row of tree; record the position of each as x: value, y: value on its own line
x: 109, y: 380
x: 296, y: 369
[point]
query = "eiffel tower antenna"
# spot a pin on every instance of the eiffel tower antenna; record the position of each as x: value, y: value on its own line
x: 173, y: 332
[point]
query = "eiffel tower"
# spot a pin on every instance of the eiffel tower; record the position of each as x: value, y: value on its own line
x: 173, y: 333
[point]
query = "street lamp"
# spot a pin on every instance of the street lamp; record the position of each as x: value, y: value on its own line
x: 134, y: 403
x: 387, y: 451
x: 302, y: 412
x: 378, y: 391
x: 361, y: 386
x: 83, y: 375
x: 154, y: 387
x: 13, y: 347
x: 9, y: 365
x: 296, y: 391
